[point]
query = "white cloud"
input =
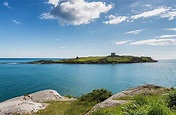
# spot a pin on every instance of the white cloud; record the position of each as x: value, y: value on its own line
x: 46, y: 15
x: 6, y: 4
x: 16, y: 22
x: 162, y: 12
x: 122, y: 42
x: 166, y: 36
x: 76, y: 12
x: 155, y: 42
x: 171, y: 15
x: 171, y: 29
x: 135, y: 31
x: 53, y: 2
x: 155, y: 12
x: 147, y: 5
x: 115, y: 20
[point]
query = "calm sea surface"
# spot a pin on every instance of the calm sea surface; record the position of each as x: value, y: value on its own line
x: 77, y: 79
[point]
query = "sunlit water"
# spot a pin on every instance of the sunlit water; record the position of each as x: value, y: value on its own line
x: 77, y: 79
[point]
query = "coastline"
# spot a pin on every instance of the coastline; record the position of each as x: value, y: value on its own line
x: 31, y: 103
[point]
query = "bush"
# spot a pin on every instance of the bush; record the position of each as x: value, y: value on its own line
x: 156, y: 110
x: 97, y: 95
x: 172, y: 100
x: 159, y: 109
x: 69, y: 96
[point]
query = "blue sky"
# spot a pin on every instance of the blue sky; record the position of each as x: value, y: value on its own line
x: 69, y: 28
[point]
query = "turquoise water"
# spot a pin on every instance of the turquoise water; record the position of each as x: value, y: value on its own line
x: 77, y: 79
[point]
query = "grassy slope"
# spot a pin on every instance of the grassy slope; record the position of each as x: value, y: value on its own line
x: 141, y: 104
x: 66, y: 108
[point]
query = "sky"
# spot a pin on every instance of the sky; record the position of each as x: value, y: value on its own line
x: 70, y: 28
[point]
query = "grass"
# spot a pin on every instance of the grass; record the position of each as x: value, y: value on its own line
x: 108, y: 59
x: 162, y: 102
x: 98, y: 60
x: 142, y: 104
x: 66, y: 108
x: 79, y: 107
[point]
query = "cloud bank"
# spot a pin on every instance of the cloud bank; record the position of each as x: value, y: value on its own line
x: 161, y: 12
x: 170, y: 29
x: 155, y: 42
x: 75, y: 12
x: 166, y: 36
x: 147, y: 14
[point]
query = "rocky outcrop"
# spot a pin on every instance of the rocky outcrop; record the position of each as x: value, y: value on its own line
x: 30, y: 103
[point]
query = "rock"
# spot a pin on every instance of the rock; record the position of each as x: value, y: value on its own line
x: 44, y: 96
x: 31, y: 103
x: 21, y: 107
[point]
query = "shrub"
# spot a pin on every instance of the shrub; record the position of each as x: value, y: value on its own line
x: 172, y: 100
x: 69, y: 96
x: 156, y: 110
x: 97, y: 95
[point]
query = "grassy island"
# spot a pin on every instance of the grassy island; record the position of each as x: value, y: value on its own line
x: 98, y: 60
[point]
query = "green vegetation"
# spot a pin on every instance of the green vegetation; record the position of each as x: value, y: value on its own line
x: 98, y: 60
x: 79, y: 107
x: 69, y: 96
x: 66, y: 108
x: 96, y: 96
x: 143, y: 104
x: 172, y: 100
x: 160, y: 102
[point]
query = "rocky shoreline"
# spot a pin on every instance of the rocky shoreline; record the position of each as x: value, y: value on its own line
x: 31, y: 103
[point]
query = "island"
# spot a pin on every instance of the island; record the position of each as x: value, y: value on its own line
x: 110, y: 59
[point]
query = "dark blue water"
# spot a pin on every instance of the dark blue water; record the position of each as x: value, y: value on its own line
x: 77, y: 79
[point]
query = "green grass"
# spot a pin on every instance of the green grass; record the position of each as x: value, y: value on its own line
x: 83, y: 60
x: 66, y: 108
x: 141, y: 104
x: 98, y: 60
x: 79, y: 107
x: 109, y: 111
x: 108, y: 59
x: 161, y: 102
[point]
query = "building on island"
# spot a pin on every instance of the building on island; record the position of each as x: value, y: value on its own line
x: 113, y: 54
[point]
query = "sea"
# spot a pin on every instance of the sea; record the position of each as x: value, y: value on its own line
x: 18, y: 79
